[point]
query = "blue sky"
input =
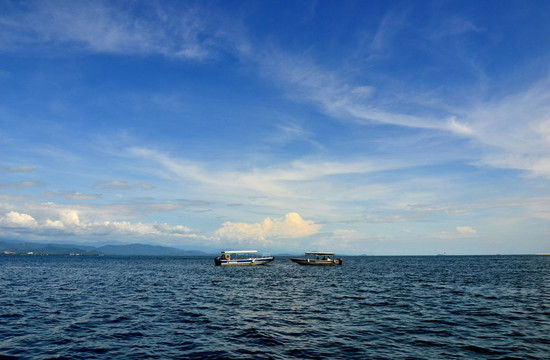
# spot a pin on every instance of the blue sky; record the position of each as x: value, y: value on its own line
x: 363, y: 127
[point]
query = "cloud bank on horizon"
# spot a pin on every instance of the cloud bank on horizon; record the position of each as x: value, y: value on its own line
x: 363, y: 127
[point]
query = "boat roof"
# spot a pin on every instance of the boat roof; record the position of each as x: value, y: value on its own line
x: 319, y: 253
x: 238, y: 251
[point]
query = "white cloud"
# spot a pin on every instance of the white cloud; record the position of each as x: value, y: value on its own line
x: 459, y: 128
x: 283, y: 180
x: 70, y: 218
x: 511, y: 130
x: 466, y: 230
x: 177, y: 30
x: 514, y: 129
x: 69, y: 224
x: 291, y: 226
x: 15, y: 219
x: 306, y: 81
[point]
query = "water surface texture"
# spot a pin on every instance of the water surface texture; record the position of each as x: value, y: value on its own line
x: 439, y: 307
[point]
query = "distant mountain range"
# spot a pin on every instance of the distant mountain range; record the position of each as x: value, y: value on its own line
x: 18, y: 247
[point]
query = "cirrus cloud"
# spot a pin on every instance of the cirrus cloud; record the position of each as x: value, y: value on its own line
x: 122, y: 185
x: 182, y: 31
x: 17, y: 169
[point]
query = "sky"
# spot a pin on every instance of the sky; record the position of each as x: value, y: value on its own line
x: 361, y: 127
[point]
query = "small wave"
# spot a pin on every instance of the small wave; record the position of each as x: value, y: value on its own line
x: 274, y: 312
x: 89, y: 350
x: 258, y: 336
x: 480, y: 350
x: 128, y: 335
x: 10, y: 316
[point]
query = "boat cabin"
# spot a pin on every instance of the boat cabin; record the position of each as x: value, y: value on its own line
x: 318, y: 258
x: 242, y: 257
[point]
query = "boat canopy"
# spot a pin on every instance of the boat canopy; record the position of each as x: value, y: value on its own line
x: 239, y: 251
x: 319, y: 253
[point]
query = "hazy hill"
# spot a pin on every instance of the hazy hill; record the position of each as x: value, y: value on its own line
x: 131, y: 249
x: 41, y: 248
x: 143, y: 249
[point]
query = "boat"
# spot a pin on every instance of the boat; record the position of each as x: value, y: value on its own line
x: 242, y: 258
x: 314, y: 258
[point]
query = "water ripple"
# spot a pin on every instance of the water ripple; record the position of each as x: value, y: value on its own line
x: 372, y: 307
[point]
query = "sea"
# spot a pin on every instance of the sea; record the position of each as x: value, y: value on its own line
x: 371, y: 307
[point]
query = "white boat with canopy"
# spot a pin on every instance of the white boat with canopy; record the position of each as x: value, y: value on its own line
x: 242, y: 257
x: 323, y: 258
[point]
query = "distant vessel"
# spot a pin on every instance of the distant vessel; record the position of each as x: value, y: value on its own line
x: 314, y: 258
x: 241, y: 258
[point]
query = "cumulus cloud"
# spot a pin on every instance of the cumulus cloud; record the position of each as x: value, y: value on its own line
x: 291, y: 226
x: 466, y: 230
x: 15, y: 219
x: 68, y: 223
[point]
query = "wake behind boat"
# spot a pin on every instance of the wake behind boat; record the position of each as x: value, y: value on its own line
x: 314, y: 258
x: 241, y: 258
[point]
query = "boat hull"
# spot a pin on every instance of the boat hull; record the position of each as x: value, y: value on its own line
x: 244, y: 262
x: 315, y: 262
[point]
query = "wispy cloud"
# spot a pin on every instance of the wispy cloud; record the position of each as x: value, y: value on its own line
x: 21, y: 184
x: 305, y: 81
x: 455, y: 26
x: 513, y: 129
x: 175, y: 30
x: 292, y: 131
x: 122, y: 185
x: 72, y: 195
x: 17, y: 169
x: 382, y: 40
x: 287, y: 180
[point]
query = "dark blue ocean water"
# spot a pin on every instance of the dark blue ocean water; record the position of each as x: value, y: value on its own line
x: 445, y: 307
